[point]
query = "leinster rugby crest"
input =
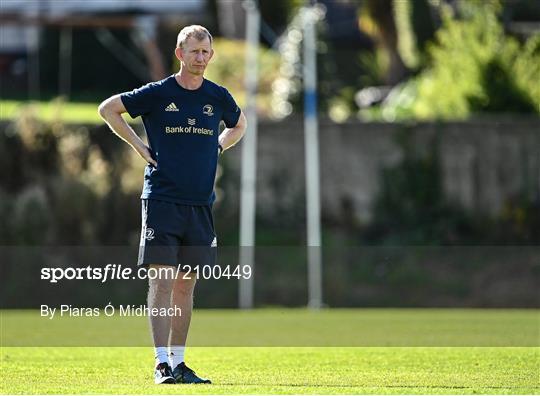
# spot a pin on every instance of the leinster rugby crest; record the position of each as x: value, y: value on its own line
x: 208, y: 110
x: 149, y: 234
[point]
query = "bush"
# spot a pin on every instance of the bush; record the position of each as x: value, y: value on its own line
x: 475, y: 68
x: 31, y: 216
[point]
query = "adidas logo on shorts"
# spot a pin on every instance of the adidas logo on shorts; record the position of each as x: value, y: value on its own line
x: 214, y: 242
x: 171, y: 107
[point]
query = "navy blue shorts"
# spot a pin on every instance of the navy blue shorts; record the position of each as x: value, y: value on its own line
x: 174, y: 234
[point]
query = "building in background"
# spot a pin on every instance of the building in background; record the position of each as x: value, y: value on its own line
x: 42, y: 41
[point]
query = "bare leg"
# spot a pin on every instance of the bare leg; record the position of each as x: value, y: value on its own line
x: 182, y: 297
x: 159, y: 296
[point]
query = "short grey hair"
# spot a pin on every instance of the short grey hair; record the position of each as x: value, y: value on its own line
x: 197, y: 31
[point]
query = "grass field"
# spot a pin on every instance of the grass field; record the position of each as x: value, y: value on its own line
x: 277, y: 370
x: 289, y: 327
x: 52, y: 110
x: 508, y: 363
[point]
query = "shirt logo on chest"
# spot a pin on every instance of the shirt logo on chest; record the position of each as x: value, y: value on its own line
x: 191, y: 121
x: 208, y: 110
x: 171, y: 107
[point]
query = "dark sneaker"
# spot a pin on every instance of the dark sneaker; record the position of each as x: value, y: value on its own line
x: 184, y: 375
x: 163, y: 374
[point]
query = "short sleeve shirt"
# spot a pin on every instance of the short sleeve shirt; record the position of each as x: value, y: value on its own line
x: 182, y: 126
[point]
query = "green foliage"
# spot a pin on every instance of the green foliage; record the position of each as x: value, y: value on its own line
x: 414, y: 25
x: 72, y: 204
x: 475, y: 68
x: 31, y: 216
x: 56, y: 183
x: 526, y: 67
x: 341, y: 107
x: 415, y: 28
x: 371, y: 71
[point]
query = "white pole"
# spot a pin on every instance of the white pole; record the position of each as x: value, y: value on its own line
x: 312, y: 161
x: 249, y: 157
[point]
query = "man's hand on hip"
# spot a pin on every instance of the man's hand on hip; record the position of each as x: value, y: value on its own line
x: 145, y: 153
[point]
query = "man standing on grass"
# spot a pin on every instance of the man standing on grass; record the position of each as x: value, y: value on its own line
x: 181, y: 116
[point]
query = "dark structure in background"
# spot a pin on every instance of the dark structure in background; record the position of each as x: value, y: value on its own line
x: 81, y: 49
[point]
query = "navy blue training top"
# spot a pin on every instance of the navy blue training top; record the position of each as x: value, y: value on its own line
x: 182, y: 126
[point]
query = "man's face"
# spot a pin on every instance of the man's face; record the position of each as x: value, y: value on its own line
x: 195, y: 55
